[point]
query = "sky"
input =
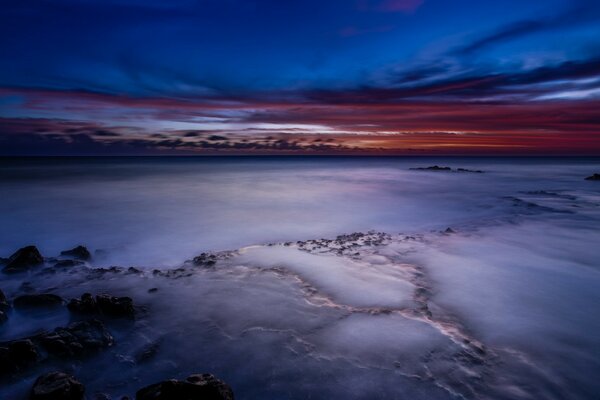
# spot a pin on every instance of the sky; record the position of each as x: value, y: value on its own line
x: 360, y: 77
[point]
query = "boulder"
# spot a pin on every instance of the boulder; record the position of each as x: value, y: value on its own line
x: 432, y: 168
x: 104, y: 304
x: 43, y: 300
x: 57, y: 386
x: 4, y: 305
x: 68, y: 263
x: 595, y: 177
x: 115, y: 306
x: 77, y: 339
x: 23, y: 259
x: 79, y: 253
x: 195, y: 387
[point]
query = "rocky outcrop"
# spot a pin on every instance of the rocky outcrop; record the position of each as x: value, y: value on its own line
x: 103, y: 304
x: 195, y: 387
x: 4, y: 307
x: 68, y: 263
x: 43, y: 300
x: 436, y: 168
x: 79, y: 253
x: 23, y: 259
x: 595, y: 177
x: 57, y: 386
x: 74, y: 341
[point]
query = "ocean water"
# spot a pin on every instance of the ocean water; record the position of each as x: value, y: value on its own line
x: 504, y: 307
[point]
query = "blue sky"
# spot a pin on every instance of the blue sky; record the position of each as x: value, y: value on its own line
x: 58, y: 54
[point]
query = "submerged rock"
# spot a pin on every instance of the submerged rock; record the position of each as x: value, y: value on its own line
x: 195, y: 387
x: 79, y: 252
x: 103, y: 304
x: 23, y: 259
x: 57, y: 386
x: 43, y: 300
x: 595, y: 177
x: 432, y: 168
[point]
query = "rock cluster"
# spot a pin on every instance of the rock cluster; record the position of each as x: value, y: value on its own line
x: 57, y: 386
x: 436, y: 168
x: 79, y: 253
x: 103, y: 304
x: 76, y: 340
x: 194, y: 387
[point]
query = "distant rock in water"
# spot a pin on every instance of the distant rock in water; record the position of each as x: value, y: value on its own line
x: 68, y: 263
x: 595, y: 177
x: 4, y: 307
x: 436, y: 168
x: 57, y: 386
x: 79, y: 252
x: 23, y: 259
x: 432, y: 168
x: 103, y: 304
x: 195, y: 387
x: 37, y: 301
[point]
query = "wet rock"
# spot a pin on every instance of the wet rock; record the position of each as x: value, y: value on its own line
x: 115, y: 306
x: 57, y: 386
x: 79, y: 252
x: 85, y: 305
x: 4, y: 305
x: 595, y: 177
x: 147, y: 352
x: 17, y: 355
x: 23, y: 259
x: 77, y: 339
x: 43, y: 300
x: 476, y: 171
x: 3, y: 317
x: 200, y: 386
x: 153, y: 290
x: 205, y: 259
x: 432, y: 168
x: 104, y: 304
x: 449, y: 231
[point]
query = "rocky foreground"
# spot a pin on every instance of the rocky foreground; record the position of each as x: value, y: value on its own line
x: 83, y: 338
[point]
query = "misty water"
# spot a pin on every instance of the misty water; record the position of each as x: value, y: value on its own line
x: 502, y: 306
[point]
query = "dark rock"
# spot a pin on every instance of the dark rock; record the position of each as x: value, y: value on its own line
x: 3, y: 317
x: 4, y: 305
x: 595, y: 177
x: 205, y: 259
x: 103, y: 304
x: 57, y: 386
x: 153, y: 290
x: 79, y: 252
x: 23, y: 351
x: 115, y: 306
x: 68, y: 263
x: 77, y: 339
x: 85, y: 305
x: 24, y: 259
x: 38, y: 301
x: 449, y: 231
x: 195, y: 387
x: 476, y: 171
x: 432, y: 168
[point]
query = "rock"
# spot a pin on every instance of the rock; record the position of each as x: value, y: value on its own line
x: 115, y: 306
x: 79, y: 252
x: 38, y: 301
x: 595, y: 177
x: 3, y: 317
x: 476, y: 171
x: 4, y: 305
x: 57, y: 386
x: 85, y: 305
x: 23, y: 259
x: 103, y: 304
x: 77, y: 339
x: 432, y: 168
x: 195, y: 387
x: 449, y: 231
x: 153, y: 290
x: 205, y: 259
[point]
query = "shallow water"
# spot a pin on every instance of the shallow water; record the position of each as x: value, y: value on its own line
x: 406, y: 318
